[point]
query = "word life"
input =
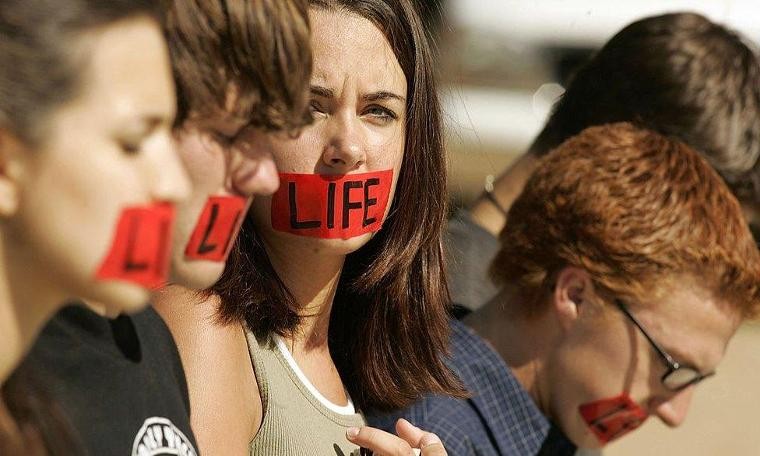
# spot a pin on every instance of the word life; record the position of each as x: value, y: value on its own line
x: 331, y: 207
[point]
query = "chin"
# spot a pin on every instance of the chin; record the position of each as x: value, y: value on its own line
x: 195, y: 274
x: 582, y: 437
x: 328, y: 246
x: 120, y: 298
x: 345, y: 246
x: 589, y: 442
x: 576, y: 430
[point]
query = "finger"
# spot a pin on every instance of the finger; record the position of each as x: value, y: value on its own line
x: 417, y: 438
x: 380, y: 442
x: 431, y: 445
x: 409, y: 432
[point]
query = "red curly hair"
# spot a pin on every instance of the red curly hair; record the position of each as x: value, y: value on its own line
x: 635, y: 209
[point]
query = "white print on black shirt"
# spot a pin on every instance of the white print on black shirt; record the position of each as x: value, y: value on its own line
x: 160, y: 437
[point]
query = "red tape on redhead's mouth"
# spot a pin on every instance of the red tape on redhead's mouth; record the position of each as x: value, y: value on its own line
x: 329, y: 206
x: 217, y: 227
x: 613, y: 417
x: 141, y: 246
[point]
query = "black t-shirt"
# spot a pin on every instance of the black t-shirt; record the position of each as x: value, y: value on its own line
x: 120, y: 382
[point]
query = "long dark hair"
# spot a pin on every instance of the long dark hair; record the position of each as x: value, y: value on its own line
x: 38, y: 73
x: 388, y: 328
x: 40, y: 424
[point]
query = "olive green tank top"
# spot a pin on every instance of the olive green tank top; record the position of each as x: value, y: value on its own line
x: 297, y: 420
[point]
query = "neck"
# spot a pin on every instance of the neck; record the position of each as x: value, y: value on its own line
x: 184, y: 306
x: 522, y: 341
x: 312, y: 279
x: 27, y: 300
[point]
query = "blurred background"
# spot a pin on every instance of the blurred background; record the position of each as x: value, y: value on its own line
x: 502, y: 65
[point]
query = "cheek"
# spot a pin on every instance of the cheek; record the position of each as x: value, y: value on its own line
x: 300, y: 155
x: 386, y: 149
x: 588, y: 368
x: 205, y: 163
x: 388, y: 154
x: 69, y: 211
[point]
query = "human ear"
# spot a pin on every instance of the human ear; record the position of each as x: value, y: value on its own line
x: 573, y: 286
x: 11, y: 150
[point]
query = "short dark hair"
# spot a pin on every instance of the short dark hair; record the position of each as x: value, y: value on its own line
x: 37, y: 70
x: 678, y: 74
x: 636, y: 210
x: 389, y: 325
x: 259, y: 49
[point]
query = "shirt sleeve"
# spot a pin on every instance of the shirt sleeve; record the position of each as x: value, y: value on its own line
x: 469, y: 251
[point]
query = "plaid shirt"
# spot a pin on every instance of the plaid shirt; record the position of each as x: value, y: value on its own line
x: 499, y: 418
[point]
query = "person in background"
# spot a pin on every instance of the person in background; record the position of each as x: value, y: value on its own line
x: 678, y: 74
x: 238, y: 66
x: 86, y: 165
x: 625, y: 267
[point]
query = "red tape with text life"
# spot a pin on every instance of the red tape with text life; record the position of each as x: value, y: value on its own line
x: 331, y: 206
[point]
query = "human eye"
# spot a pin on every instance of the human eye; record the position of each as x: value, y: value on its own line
x: 381, y: 113
x: 130, y: 144
x: 316, y: 109
x: 130, y: 147
x: 224, y: 139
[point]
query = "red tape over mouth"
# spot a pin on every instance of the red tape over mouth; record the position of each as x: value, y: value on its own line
x: 613, y: 417
x: 141, y: 246
x: 216, y: 229
x: 329, y: 206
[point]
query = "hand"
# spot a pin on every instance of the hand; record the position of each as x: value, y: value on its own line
x: 409, y: 442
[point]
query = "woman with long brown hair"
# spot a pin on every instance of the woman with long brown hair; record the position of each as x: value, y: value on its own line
x: 87, y: 171
x: 337, y: 280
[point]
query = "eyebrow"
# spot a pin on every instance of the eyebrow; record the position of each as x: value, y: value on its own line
x: 240, y: 126
x: 322, y: 91
x: 380, y: 95
x: 153, y: 121
x: 383, y: 95
x: 145, y: 125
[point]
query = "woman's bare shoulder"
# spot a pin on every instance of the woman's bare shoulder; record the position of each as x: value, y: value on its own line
x: 226, y: 408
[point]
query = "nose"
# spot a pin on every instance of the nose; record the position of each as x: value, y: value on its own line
x: 252, y: 171
x: 345, y: 151
x: 673, y: 410
x: 170, y: 182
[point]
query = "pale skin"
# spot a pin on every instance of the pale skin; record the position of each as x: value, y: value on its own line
x: 358, y: 92
x: 115, y: 135
x: 223, y: 159
x: 510, y: 183
x: 581, y: 349
x: 506, y: 189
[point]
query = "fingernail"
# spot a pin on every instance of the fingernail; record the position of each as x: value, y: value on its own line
x: 351, y: 433
x: 408, y: 422
x: 429, y: 439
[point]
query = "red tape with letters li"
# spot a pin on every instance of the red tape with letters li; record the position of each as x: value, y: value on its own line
x: 216, y: 229
x: 141, y: 247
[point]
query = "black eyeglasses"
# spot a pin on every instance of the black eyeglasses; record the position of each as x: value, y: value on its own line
x: 678, y: 375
